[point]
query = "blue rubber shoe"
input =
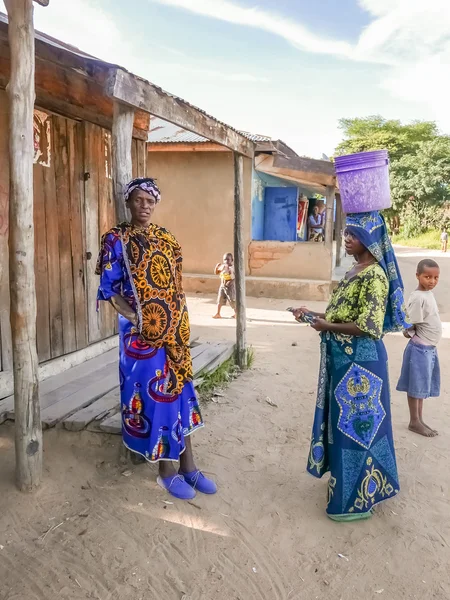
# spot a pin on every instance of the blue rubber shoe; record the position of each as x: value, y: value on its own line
x: 199, y: 482
x: 177, y: 487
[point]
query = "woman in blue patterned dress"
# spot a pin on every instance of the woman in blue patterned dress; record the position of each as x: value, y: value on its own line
x: 140, y: 268
x: 352, y: 431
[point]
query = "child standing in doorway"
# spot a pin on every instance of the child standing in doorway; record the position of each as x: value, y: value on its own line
x: 227, y: 290
x: 420, y: 375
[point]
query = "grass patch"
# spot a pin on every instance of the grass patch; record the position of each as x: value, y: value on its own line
x: 429, y: 240
x: 218, y: 379
x: 221, y: 378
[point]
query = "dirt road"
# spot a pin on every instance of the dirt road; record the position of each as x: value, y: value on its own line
x: 95, y: 532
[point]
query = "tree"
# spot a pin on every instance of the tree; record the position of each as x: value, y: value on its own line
x: 419, y: 164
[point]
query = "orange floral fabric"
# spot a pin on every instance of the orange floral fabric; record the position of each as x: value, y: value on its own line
x: 153, y: 261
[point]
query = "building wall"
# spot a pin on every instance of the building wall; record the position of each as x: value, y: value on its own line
x: 198, y: 203
x: 197, y: 207
x: 292, y: 260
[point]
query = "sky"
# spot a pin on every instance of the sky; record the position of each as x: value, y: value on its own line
x: 288, y: 69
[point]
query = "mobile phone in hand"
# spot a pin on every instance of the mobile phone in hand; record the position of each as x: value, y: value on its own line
x: 305, y: 318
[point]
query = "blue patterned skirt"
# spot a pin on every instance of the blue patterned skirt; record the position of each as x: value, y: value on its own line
x: 154, y: 423
x: 352, y: 431
x: 420, y: 376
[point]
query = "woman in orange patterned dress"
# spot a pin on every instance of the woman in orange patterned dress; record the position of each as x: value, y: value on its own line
x: 140, y: 268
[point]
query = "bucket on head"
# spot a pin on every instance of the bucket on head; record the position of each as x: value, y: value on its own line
x: 363, y: 181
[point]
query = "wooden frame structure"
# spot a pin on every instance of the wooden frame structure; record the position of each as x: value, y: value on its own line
x: 130, y: 100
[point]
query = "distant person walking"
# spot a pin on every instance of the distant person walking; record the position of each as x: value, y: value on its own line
x: 444, y: 240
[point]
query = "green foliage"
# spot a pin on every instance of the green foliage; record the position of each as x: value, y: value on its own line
x: 419, y: 166
x: 429, y: 239
x: 377, y: 133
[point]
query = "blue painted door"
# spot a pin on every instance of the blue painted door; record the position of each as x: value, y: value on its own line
x: 280, y: 214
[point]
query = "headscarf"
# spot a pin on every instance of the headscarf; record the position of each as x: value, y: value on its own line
x: 147, y: 184
x: 370, y: 229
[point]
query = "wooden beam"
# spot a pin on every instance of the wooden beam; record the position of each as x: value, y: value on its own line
x: 186, y: 147
x: 66, y: 85
x: 141, y: 94
x: 28, y: 430
x: 239, y: 261
x: 316, y: 171
x: 330, y: 193
x: 339, y: 227
x: 122, y: 166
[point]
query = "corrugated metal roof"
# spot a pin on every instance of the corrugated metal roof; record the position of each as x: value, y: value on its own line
x: 162, y: 132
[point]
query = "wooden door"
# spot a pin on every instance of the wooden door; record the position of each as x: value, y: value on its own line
x: 59, y: 252
x: 100, y: 215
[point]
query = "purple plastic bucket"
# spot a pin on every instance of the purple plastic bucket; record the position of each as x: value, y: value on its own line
x: 363, y: 181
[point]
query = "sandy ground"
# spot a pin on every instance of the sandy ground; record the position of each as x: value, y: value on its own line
x: 93, y: 531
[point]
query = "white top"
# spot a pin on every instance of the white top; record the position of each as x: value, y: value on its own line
x: 423, y: 313
x: 444, y: 236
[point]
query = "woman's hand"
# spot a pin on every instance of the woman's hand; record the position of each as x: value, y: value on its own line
x: 299, y: 312
x: 320, y: 324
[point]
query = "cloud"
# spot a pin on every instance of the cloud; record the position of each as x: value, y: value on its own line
x: 408, y: 39
x: 293, y: 32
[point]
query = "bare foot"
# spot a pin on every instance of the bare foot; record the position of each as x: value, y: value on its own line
x: 217, y: 316
x: 421, y: 429
x: 430, y: 428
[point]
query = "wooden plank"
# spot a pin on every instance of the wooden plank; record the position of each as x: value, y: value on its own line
x: 329, y: 219
x: 54, y: 276
x: 5, y: 325
x: 122, y: 167
x: 28, y: 430
x: 41, y: 270
x: 75, y: 151
x: 141, y: 94
x: 134, y: 162
x: 92, y: 140
x: 186, y: 147
x: 227, y: 352
x: 197, y: 350
x: 106, y: 219
x: 339, y: 230
x: 141, y: 158
x: 60, y: 386
x: 71, y: 85
x: 98, y: 410
x: 63, y: 409
x: 62, y: 182
x: 239, y: 261
x: 320, y: 171
x: 212, y: 351
x: 112, y: 424
x: 62, y: 365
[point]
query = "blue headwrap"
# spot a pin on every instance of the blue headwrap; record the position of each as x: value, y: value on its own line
x: 370, y: 229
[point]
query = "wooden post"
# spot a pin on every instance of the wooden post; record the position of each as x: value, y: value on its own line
x: 339, y: 227
x: 239, y: 261
x: 122, y: 166
x: 329, y: 217
x: 28, y: 430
